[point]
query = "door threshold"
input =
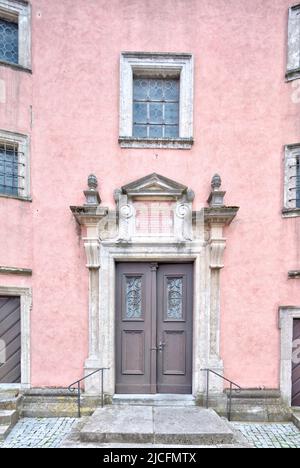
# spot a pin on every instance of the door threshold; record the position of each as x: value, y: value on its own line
x: 159, y: 399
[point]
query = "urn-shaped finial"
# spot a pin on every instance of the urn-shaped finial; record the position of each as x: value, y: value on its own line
x: 91, y: 194
x: 216, y: 197
x: 216, y: 182
x: 92, y: 182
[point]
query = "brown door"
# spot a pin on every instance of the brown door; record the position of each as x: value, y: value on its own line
x: 154, y: 328
x: 10, y: 340
x: 296, y: 365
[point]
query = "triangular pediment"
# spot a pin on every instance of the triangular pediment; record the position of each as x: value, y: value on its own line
x: 154, y: 185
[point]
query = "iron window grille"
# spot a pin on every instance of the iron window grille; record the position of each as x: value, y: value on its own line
x: 11, y: 169
x: 294, y: 189
x: 155, y: 108
x: 9, y: 41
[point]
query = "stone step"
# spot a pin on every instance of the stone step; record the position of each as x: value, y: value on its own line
x: 157, y: 425
x: 10, y: 403
x: 8, y: 417
x: 296, y: 418
x: 4, y: 431
x: 154, y: 400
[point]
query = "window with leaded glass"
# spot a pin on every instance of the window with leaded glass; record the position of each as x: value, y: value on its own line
x: 155, y: 108
x: 9, y: 169
x: 9, y: 41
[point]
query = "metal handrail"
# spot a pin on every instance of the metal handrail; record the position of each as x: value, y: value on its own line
x: 232, y: 384
x: 78, y: 382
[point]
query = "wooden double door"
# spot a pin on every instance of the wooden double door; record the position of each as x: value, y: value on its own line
x: 154, y: 308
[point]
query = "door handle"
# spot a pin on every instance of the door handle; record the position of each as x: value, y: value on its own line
x: 161, y: 346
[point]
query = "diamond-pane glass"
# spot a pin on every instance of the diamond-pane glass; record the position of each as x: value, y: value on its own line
x: 155, y: 108
x: 9, y: 169
x: 134, y: 297
x: 175, y: 299
x: 9, y: 41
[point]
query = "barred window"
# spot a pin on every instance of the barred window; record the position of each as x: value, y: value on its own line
x: 297, y: 185
x: 9, y: 168
x: 292, y: 179
x: 293, y: 67
x: 155, y: 108
x: 14, y: 165
x: 9, y: 41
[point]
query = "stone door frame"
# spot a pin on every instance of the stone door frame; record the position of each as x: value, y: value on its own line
x: 204, y: 247
x: 287, y: 315
x: 25, y: 295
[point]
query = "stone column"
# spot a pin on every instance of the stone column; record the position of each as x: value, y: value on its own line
x: 217, y: 247
x: 88, y: 216
x: 92, y: 247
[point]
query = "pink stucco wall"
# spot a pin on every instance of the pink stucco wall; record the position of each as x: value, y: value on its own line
x: 244, y: 115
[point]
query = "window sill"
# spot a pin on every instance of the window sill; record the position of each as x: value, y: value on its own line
x: 16, y: 197
x: 293, y: 75
x: 295, y: 274
x: 161, y: 143
x: 291, y: 212
x: 15, y: 66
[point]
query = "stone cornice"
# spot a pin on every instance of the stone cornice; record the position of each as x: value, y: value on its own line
x: 294, y: 274
x: 4, y: 270
x: 223, y: 215
x: 88, y: 214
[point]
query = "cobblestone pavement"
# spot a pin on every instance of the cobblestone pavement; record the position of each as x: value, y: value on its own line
x: 268, y: 435
x: 39, y: 433
x: 49, y: 433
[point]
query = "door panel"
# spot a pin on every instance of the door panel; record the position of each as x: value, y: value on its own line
x: 133, y: 318
x: 133, y: 352
x: 10, y: 339
x: 154, y: 328
x: 296, y: 365
x: 174, y: 328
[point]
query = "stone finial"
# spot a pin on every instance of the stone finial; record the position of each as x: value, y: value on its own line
x: 92, y: 195
x: 216, y: 182
x: 92, y: 182
x: 216, y: 198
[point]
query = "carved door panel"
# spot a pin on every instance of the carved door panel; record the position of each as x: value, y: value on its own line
x: 174, y: 328
x: 154, y: 328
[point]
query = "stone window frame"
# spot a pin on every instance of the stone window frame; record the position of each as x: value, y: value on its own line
x: 23, y: 143
x: 25, y: 295
x: 293, y: 62
x: 19, y: 11
x: 292, y: 152
x: 286, y: 323
x: 156, y: 64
